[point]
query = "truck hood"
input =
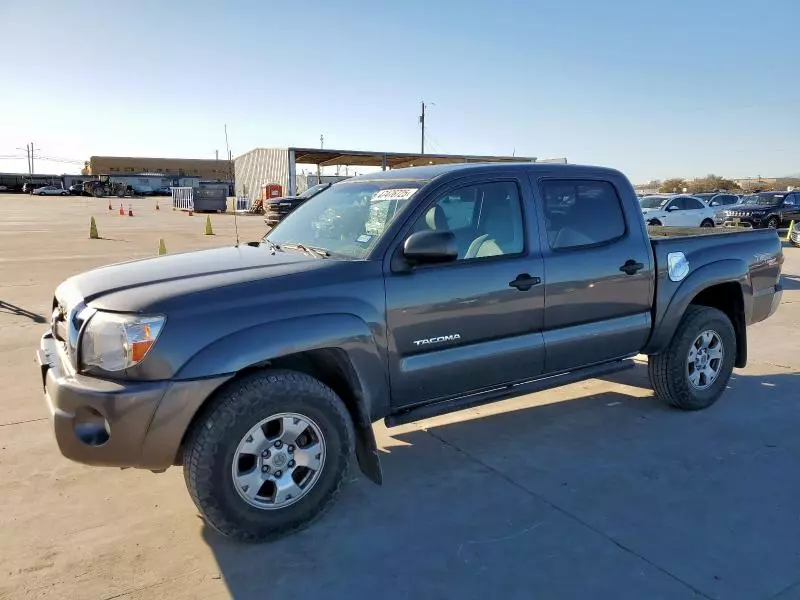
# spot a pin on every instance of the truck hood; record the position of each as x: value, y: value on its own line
x: 150, y: 284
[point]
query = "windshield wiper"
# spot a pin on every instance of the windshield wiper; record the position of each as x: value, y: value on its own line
x: 272, y: 245
x: 320, y: 252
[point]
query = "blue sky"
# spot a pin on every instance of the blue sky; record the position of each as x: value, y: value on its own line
x: 676, y: 88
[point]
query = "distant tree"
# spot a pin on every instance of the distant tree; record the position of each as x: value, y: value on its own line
x: 672, y: 186
x: 711, y: 183
x: 783, y: 183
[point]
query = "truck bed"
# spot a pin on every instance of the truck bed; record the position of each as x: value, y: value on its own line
x: 671, y: 232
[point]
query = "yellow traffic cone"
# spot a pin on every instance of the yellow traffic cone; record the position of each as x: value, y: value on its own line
x: 162, y: 247
x: 93, y: 235
x: 209, y: 231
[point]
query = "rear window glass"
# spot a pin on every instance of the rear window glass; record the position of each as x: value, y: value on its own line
x: 582, y: 213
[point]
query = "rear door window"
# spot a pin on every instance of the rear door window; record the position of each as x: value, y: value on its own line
x: 581, y: 213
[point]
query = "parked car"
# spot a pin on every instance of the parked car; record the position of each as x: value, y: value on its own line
x: 718, y: 198
x: 765, y: 209
x: 677, y: 211
x: 276, y: 209
x: 261, y: 367
x: 28, y: 187
x: 50, y: 190
x: 794, y: 235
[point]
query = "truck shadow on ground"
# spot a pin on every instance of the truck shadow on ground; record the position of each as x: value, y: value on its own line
x: 558, y: 500
x: 13, y: 309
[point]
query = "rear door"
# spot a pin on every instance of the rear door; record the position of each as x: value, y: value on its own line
x: 598, y: 271
x: 475, y: 323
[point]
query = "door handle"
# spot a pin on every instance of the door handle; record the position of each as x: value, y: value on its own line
x: 524, y: 282
x: 631, y: 267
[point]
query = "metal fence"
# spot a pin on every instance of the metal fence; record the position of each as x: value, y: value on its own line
x: 182, y: 198
x: 242, y: 203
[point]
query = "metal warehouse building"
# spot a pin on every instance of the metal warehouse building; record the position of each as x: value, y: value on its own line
x: 264, y: 166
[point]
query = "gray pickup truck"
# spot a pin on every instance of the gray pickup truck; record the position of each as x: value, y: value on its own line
x: 398, y: 295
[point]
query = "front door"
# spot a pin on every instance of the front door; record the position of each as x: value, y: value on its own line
x: 474, y: 323
x: 680, y: 215
x: 599, y: 274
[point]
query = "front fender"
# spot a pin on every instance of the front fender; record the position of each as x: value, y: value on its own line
x: 366, y: 368
x: 673, y: 298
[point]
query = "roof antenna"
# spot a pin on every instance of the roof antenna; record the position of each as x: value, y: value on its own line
x: 235, y: 199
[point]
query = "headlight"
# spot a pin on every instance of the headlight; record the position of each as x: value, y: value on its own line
x: 116, y: 342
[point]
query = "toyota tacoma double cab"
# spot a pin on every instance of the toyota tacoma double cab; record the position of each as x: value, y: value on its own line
x: 399, y: 295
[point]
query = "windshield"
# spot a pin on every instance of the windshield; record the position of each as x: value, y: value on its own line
x: 652, y: 201
x: 313, y: 191
x: 348, y: 219
x: 763, y: 199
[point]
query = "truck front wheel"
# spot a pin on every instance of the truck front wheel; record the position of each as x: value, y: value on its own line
x: 268, y: 455
x: 692, y: 372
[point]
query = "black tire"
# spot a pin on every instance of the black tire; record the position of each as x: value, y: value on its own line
x: 654, y: 223
x: 707, y: 223
x: 668, y: 373
x: 773, y: 222
x: 213, y: 438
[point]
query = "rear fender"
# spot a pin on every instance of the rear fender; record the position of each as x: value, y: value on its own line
x: 256, y: 347
x: 705, y: 277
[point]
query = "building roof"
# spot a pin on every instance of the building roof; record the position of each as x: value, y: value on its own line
x: 394, y: 160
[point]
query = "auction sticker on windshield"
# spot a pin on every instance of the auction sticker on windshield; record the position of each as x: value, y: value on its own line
x: 393, y: 194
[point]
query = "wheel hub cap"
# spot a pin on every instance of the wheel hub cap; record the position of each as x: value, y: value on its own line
x: 278, y: 461
x: 704, y: 361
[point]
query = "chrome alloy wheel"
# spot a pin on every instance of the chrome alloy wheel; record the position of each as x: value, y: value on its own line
x: 704, y: 360
x: 278, y: 461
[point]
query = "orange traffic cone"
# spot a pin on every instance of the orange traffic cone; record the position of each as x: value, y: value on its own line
x: 109, y: 205
x: 191, y: 212
x: 157, y: 208
x: 121, y: 210
x: 130, y: 210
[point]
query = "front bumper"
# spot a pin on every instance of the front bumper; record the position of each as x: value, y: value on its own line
x: 745, y: 220
x: 123, y: 424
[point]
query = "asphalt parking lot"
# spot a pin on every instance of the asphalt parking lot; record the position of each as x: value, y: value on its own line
x: 594, y: 490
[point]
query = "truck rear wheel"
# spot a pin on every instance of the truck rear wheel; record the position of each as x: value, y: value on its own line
x: 268, y: 455
x: 692, y: 372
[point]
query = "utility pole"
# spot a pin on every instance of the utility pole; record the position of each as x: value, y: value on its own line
x: 27, y: 156
x: 216, y: 154
x: 321, y: 141
x: 422, y: 124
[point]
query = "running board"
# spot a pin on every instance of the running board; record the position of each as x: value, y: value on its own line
x: 442, y: 407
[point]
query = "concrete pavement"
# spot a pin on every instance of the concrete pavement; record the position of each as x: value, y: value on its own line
x: 594, y: 490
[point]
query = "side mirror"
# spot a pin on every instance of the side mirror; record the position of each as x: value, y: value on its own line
x: 672, y: 208
x: 714, y: 203
x: 429, y: 247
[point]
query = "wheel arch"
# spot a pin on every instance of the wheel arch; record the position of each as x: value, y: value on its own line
x: 337, y: 349
x: 721, y: 285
